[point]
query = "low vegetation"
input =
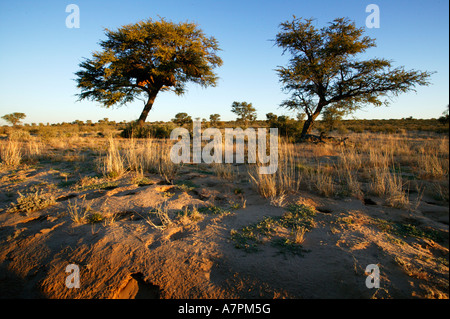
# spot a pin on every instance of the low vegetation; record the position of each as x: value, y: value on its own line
x: 79, y: 172
x: 31, y: 202
x: 286, y: 232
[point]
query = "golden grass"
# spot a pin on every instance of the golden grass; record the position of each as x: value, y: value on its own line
x: 376, y: 164
x: 146, y: 155
x: 225, y: 171
x: 388, y: 166
x: 78, y: 213
x: 11, y: 154
x: 113, y: 164
x: 285, y: 180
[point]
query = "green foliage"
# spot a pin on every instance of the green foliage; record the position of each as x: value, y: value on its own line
x: 324, y: 70
x: 95, y: 218
x: 145, y: 58
x: 192, y: 214
x: 287, y: 126
x: 143, y: 181
x: 214, y: 119
x: 90, y: 183
x: 31, y: 202
x: 214, y: 210
x: 245, y: 111
x: 297, y: 217
x: 185, y: 185
x: 395, y: 125
x: 444, y: 119
x: 407, y: 230
x: 332, y: 117
x: 148, y: 131
x: 182, y: 119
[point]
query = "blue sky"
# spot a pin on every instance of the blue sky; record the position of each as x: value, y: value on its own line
x: 39, y: 54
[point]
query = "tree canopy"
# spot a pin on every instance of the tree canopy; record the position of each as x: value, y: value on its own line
x: 146, y: 58
x: 245, y: 112
x: 181, y: 119
x: 14, y: 118
x: 324, y: 71
x: 214, y: 119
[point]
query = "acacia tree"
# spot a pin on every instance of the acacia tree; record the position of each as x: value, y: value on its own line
x: 147, y: 58
x: 181, y: 119
x: 214, y: 119
x: 324, y: 72
x: 445, y: 116
x: 14, y: 118
x: 245, y: 112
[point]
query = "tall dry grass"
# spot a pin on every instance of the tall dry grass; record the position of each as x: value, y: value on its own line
x: 391, y: 186
x: 433, y: 158
x: 286, y: 179
x: 377, y: 164
x: 374, y: 163
x: 11, y: 153
x: 225, y: 171
x: 147, y: 155
x: 113, y: 163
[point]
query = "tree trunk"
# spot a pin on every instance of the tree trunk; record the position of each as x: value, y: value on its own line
x: 146, y: 110
x: 308, y: 125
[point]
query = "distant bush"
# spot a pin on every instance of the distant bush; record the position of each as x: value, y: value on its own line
x: 148, y: 131
x: 182, y: 119
x: 287, y: 127
x: 396, y: 125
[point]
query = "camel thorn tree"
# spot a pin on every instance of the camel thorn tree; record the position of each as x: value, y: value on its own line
x: 147, y: 58
x: 324, y: 70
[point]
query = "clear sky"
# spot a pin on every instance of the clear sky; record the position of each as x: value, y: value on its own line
x: 39, y: 54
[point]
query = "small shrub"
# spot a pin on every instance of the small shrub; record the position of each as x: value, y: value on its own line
x: 287, y: 127
x: 224, y: 171
x: 162, y: 214
x: 191, y: 214
x: 95, y: 218
x: 31, y: 202
x: 91, y: 183
x: 78, y: 214
x: 407, y: 230
x: 298, y: 220
x: 214, y: 210
x: 390, y: 185
x: 185, y: 185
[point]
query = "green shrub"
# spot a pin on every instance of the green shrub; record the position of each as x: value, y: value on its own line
x: 31, y: 202
x: 149, y: 131
x: 95, y: 218
x: 297, y: 219
x: 287, y: 127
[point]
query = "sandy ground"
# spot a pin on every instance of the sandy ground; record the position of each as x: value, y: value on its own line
x: 197, y: 258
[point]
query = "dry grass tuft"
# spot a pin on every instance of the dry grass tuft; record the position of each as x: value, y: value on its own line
x: 79, y: 213
x: 285, y: 180
x: 11, y: 154
x: 138, y: 156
